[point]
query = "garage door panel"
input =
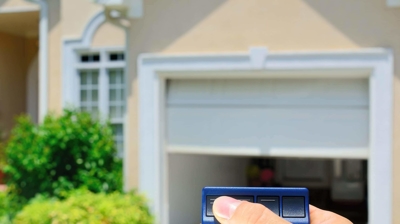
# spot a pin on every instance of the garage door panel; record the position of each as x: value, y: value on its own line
x: 269, y: 114
x: 272, y: 92
x: 268, y: 128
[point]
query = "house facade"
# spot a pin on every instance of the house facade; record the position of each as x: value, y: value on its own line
x: 198, y: 89
x: 34, y: 37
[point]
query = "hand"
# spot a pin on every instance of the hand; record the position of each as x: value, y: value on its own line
x: 231, y: 211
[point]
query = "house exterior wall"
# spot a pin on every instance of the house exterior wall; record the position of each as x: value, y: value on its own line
x: 109, y: 35
x: 54, y: 56
x: 15, y: 57
x: 76, y: 14
x: 193, y: 26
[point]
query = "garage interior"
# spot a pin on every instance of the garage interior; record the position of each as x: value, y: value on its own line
x: 306, y: 132
x: 335, y: 185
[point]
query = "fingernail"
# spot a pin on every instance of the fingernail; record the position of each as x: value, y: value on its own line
x: 224, y: 207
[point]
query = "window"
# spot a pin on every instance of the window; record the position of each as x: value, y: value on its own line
x: 102, y: 89
x: 116, y: 56
x: 116, y: 104
x: 119, y: 138
x: 85, y: 58
x: 89, y: 95
x: 116, y: 93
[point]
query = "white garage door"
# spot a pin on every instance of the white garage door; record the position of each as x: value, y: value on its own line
x: 277, y: 117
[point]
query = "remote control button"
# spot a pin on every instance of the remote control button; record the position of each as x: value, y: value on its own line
x: 211, y: 199
x: 272, y: 203
x: 210, y: 202
x: 243, y: 198
x: 293, y: 207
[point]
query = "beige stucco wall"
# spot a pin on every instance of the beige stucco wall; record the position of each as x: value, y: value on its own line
x: 15, y: 56
x: 109, y: 35
x: 191, y: 26
x: 75, y: 16
x: 55, y: 56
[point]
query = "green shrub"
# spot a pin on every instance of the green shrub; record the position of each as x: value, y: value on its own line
x: 2, y: 152
x: 3, y: 206
x: 61, y: 154
x: 87, y: 208
x: 2, y: 156
x: 9, y: 206
x: 2, y: 162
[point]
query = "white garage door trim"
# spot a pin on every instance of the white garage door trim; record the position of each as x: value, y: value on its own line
x: 375, y: 64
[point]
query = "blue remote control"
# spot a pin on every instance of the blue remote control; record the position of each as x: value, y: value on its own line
x: 288, y: 203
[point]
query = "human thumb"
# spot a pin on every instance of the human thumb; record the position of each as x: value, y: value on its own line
x: 228, y: 210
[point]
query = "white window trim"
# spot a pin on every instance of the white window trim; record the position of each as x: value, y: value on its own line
x: 70, y: 81
x: 374, y: 64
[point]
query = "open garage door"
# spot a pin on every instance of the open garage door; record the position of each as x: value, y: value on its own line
x: 317, y: 118
x: 214, y: 126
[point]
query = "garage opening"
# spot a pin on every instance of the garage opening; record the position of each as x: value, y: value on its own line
x: 336, y: 185
x: 220, y: 132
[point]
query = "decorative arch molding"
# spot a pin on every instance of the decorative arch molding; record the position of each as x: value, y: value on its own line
x: 70, y: 46
x: 93, y: 25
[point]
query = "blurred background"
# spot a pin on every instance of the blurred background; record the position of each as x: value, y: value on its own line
x: 176, y: 95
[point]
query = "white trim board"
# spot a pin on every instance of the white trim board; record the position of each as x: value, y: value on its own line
x: 345, y: 153
x: 154, y: 70
x: 20, y: 9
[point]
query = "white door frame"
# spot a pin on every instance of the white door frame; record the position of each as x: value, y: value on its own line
x: 374, y: 64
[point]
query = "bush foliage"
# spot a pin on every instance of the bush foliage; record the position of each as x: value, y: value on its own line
x: 3, y: 206
x: 9, y: 206
x: 61, y: 154
x: 2, y: 153
x: 85, y: 207
x: 2, y: 157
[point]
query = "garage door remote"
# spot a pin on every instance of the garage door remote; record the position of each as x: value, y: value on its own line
x: 289, y: 203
